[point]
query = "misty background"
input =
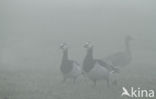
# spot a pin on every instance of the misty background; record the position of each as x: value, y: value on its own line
x: 32, y: 30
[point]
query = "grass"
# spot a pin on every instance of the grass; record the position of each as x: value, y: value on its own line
x: 41, y: 84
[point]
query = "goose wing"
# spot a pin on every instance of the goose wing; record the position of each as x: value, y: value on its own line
x: 76, y: 69
x: 118, y: 59
x: 107, y: 66
x: 67, y: 66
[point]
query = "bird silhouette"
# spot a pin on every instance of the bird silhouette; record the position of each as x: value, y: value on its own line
x: 70, y: 68
x: 121, y: 59
x: 95, y: 69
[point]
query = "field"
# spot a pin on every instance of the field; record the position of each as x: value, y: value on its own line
x: 46, y: 84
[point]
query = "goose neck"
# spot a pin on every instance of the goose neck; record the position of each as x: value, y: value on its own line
x: 128, y: 47
x: 65, y: 54
x: 90, y: 53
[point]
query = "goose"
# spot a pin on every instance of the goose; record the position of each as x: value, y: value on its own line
x: 70, y: 69
x: 121, y: 59
x: 95, y: 69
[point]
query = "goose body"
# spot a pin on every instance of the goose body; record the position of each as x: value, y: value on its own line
x: 121, y: 59
x: 98, y: 73
x: 74, y: 72
x: 93, y: 68
x: 70, y: 69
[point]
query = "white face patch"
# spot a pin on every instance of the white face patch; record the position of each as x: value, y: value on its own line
x: 63, y: 46
x: 88, y: 45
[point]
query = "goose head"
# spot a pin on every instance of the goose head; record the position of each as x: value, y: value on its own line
x: 87, y: 45
x: 63, y: 46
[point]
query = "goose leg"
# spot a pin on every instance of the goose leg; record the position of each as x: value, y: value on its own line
x: 108, y: 85
x: 108, y: 81
x: 74, y: 80
x: 115, y: 82
x: 94, y: 83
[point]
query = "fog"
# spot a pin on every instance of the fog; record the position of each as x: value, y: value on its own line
x: 32, y: 31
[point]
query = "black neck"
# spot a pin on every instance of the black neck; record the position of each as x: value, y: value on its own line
x: 65, y: 54
x: 127, y: 46
x: 89, y: 53
x: 88, y: 62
